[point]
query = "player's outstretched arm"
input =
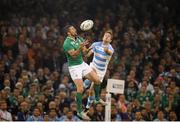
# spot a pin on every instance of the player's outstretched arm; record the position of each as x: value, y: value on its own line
x: 74, y: 53
x: 89, y: 52
x: 109, y: 52
x: 84, y: 49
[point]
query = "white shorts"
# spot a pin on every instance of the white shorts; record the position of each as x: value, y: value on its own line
x: 79, y: 71
x: 100, y: 73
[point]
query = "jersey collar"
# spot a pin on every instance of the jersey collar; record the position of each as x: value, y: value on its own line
x: 71, y: 38
x: 105, y: 45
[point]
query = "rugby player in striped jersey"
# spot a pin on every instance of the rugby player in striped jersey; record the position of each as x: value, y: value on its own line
x: 103, y: 52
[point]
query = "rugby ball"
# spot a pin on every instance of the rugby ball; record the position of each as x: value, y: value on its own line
x: 86, y: 25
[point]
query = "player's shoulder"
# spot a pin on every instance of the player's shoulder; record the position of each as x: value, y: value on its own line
x: 97, y: 43
x: 67, y: 41
x: 80, y: 38
x: 111, y: 47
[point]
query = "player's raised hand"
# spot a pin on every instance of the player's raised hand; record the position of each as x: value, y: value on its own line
x: 106, y: 49
x: 86, y: 42
x: 82, y: 44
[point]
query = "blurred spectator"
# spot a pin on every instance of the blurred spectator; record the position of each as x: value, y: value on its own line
x: 172, y: 116
x: 138, y: 116
x: 99, y: 113
x: 148, y: 110
x: 36, y: 116
x: 143, y: 95
x: 122, y: 104
x: 160, y: 116
x: 69, y: 116
x: 115, y: 116
x: 23, y: 114
x: 52, y: 115
x: 4, y: 114
x: 130, y: 92
x: 22, y: 46
x: 91, y: 113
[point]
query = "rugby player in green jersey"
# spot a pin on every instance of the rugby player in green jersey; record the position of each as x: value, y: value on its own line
x: 74, y: 46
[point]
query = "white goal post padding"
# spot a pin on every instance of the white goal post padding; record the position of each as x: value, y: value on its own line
x: 113, y: 86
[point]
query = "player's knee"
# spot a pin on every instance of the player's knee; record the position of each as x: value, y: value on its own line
x: 97, y: 81
x: 80, y: 89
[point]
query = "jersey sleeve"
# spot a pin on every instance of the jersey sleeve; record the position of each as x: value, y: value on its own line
x: 92, y: 47
x: 67, y: 46
x: 81, y: 39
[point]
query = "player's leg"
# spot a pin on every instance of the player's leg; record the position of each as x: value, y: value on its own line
x: 92, y: 76
x: 78, y: 83
x: 90, y: 97
x: 76, y: 75
x: 79, y: 86
x: 87, y: 83
x: 101, y: 77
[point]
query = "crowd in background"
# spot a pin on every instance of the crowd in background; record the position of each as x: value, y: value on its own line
x: 34, y: 80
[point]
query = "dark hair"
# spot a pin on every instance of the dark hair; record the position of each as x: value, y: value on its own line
x: 110, y: 32
x: 66, y: 29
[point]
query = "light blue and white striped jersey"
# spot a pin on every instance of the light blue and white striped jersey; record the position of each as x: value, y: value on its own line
x: 101, y: 58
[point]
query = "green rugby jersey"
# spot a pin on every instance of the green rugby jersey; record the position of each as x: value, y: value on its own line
x: 70, y: 44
